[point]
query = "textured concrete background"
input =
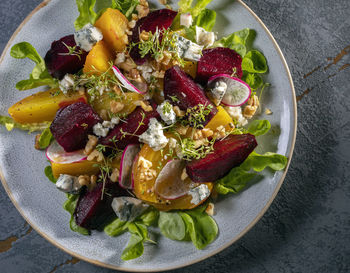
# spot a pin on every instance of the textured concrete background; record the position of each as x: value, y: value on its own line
x: 307, y: 228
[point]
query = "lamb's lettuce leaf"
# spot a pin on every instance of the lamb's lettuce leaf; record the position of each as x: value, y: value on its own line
x: 49, y: 174
x: 194, y: 225
x: 253, y: 80
x: 116, y: 227
x: 206, y: 19
x: 40, y: 75
x: 254, y: 62
x: 10, y: 124
x: 259, y: 127
x: 239, y: 177
x: 45, y: 138
x: 236, y: 41
x: 69, y: 206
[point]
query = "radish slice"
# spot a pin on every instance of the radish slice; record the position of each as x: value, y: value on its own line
x: 56, y: 154
x: 128, y: 85
x: 237, y: 92
x: 128, y: 157
x: 169, y: 184
x: 132, y: 172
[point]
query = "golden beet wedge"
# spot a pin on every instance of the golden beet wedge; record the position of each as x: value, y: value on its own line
x: 42, y: 106
x: 221, y: 118
x: 98, y: 60
x: 113, y: 25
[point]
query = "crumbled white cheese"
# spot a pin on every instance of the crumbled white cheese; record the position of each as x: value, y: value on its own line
x: 188, y: 50
x: 68, y: 184
x: 87, y: 37
x: 102, y: 129
x: 146, y: 71
x: 219, y: 91
x: 199, y: 194
x: 128, y: 208
x: 115, y: 120
x: 204, y: 38
x: 172, y: 143
x: 120, y: 58
x: 67, y: 83
x: 154, y: 135
x: 186, y: 19
x: 236, y: 114
x: 166, y: 112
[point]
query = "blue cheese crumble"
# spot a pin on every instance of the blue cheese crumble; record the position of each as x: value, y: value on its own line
x: 204, y: 38
x: 128, y: 208
x: 167, y: 113
x: 68, y: 184
x: 186, y: 19
x: 219, y: 91
x: 67, y: 83
x: 102, y: 129
x: 87, y: 37
x: 188, y: 50
x: 199, y: 194
x: 154, y: 135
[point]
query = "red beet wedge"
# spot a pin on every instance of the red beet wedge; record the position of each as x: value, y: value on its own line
x: 92, y: 209
x: 177, y: 83
x: 59, y: 61
x: 228, y: 153
x: 127, y: 132
x: 216, y: 61
x: 72, y: 125
x: 159, y: 19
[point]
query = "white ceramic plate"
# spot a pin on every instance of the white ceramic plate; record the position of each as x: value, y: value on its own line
x: 41, y: 204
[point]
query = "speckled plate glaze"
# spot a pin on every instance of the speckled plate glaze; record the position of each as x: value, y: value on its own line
x: 41, y: 204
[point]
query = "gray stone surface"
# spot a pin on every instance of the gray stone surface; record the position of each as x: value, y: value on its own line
x: 307, y: 228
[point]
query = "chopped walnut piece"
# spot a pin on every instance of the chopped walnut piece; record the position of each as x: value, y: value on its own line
x: 178, y: 111
x: 144, y: 105
x: 182, y: 130
x: 84, y: 180
x: 132, y: 23
x: 166, y: 57
x: 117, y: 90
x: 116, y: 106
x: 95, y: 154
x: 144, y: 168
x: 210, y: 209
x: 206, y: 132
x: 268, y: 111
x: 103, y: 114
x: 115, y: 175
x: 198, y: 135
x: 250, y: 110
x: 144, y: 35
x: 128, y: 65
x: 120, y: 58
x: 159, y: 74
x: 91, y: 144
x: 220, y: 132
x: 184, y: 175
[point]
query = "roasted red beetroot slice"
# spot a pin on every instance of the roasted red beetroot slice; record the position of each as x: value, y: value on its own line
x: 127, y: 132
x: 72, y: 125
x: 58, y: 60
x: 161, y: 19
x: 219, y: 60
x: 92, y: 209
x: 177, y: 83
x: 228, y: 153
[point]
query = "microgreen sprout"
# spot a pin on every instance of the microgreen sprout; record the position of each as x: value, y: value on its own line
x: 72, y: 51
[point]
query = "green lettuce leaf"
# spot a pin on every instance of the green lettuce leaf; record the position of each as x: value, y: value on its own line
x: 239, y: 177
x: 45, y: 138
x: 253, y: 80
x: 201, y: 227
x: 259, y: 127
x: 40, y: 75
x: 206, y: 19
x: 9, y: 123
x: 139, y: 235
x: 172, y: 225
x: 254, y: 62
x: 116, y: 228
x: 49, y: 174
x: 69, y: 206
x: 236, y: 41
x: 87, y: 13
x: 149, y: 217
x: 126, y: 7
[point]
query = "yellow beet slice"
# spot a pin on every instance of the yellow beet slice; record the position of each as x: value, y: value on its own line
x: 98, y: 60
x: 190, y: 68
x: 103, y: 102
x: 113, y: 25
x: 42, y: 106
x: 79, y: 168
x: 144, y: 189
x: 221, y: 118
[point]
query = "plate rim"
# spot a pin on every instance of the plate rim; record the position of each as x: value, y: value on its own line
x: 214, y: 252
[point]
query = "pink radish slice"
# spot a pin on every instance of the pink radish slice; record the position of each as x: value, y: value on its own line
x: 169, y: 184
x: 127, y: 160
x: 55, y: 153
x: 237, y: 92
x: 125, y: 82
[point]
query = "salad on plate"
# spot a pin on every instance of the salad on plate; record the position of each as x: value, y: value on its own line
x: 147, y: 117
